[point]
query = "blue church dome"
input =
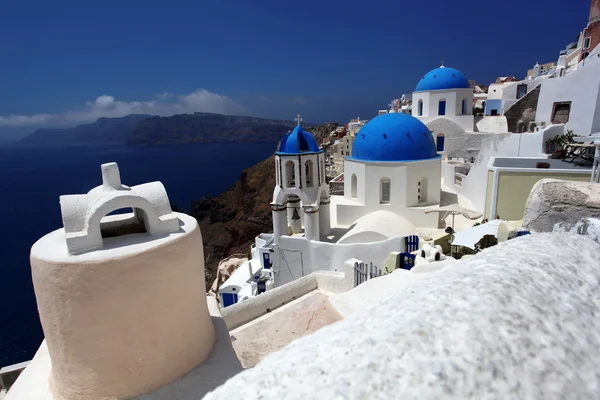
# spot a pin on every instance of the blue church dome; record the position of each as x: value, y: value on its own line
x: 394, y: 137
x: 442, y: 78
x: 298, y: 141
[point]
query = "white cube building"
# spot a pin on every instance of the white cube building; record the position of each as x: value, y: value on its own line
x: 395, y: 167
x: 444, y: 93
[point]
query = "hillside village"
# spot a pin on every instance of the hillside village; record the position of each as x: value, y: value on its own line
x: 446, y: 247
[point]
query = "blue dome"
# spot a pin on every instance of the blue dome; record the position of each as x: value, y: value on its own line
x: 394, y: 137
x: 443, y: 78
x: 298, y: 141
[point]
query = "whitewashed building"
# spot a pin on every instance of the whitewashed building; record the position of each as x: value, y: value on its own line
x: 444, y: 92
x: 395, y: 167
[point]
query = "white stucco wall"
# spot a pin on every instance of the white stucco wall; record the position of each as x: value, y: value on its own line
x: 458, y: 143
x: 297, y: 256
x: 404, y: 190
x: 309, y: 195
x: 582, y: 89
x: 495, y: 90
x: 474, y: 186
x: 453, y: 99
x: 509, y: 92
x: 495, y: 124
x: 465, y: 332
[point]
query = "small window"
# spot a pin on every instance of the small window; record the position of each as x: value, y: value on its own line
x: 442, y: 107
x: 353, y: 186
x: 385, y: 191
x: 439, y: 141
x: 464, y: 107
x: 290, y: 172
x: 521, y: 90
x: 309, y: 173
x: 587, y: 42
x: 560, y: 112
x: 422, y: 194
x: 420, y: 108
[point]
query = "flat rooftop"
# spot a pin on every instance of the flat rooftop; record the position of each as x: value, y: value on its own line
x: 530, y: 163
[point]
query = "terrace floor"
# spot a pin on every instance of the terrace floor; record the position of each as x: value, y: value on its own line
x: 273, y: 331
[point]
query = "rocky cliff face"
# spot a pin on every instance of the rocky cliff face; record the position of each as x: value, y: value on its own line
x: 102, y: 131
x: 232, y: 220
x: 205, y: 127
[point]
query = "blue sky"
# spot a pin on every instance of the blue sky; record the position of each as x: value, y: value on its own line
x: 68, y: 62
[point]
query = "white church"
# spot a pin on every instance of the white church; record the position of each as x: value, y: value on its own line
x: 392, y: 176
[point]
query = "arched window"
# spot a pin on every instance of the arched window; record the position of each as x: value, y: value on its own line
x: 384, y: 197
x: 290, y: 174
x: 439, y: 141
x: 442, y: 107
x: 309, y: 173
x: 420, y: 108
x: 422, y: 191
x: 464, y: 107
x: 353, y: 185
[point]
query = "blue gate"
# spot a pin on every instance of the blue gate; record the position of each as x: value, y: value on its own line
x: 266, y: 260
x: 523, y: 233
x: 412, y: 243
x: 228, y: 299
x: 407, y: 261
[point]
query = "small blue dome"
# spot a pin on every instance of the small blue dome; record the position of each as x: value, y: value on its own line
x: 394, y: 137
x: 298, y: 141
x: 443, y: 78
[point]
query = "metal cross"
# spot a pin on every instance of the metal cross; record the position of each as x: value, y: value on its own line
x: 298, y: 119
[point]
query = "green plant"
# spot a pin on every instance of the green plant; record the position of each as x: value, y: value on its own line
x: 485, y: 242
x: 560, y: 142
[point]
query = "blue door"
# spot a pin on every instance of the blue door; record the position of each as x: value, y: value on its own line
x: 267, y: 260
x: 261, y: 286
x: 228, y: 299
x: 442, y: 107
x: 439, y: 141
x: 407, y: 261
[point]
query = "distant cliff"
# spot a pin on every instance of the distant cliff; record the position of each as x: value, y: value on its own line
x: 205, y: 127
x: 232, y: 220
x: 104, y: 130
x: 146, y: 130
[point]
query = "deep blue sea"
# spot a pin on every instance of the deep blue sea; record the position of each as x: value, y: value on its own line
x: 32, y: 177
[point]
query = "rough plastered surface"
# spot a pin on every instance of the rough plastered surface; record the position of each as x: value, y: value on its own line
x: 553, y: 201
x: 521, y: 320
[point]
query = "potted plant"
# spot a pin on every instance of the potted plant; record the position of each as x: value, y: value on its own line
x: 557, y: 145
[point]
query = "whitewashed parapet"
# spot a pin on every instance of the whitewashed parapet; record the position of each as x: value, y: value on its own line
x: 85, y: 215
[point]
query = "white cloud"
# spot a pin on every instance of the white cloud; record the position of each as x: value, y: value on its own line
x: 106, y: 106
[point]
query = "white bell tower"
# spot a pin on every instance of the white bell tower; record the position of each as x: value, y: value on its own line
x: 301, y: 195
